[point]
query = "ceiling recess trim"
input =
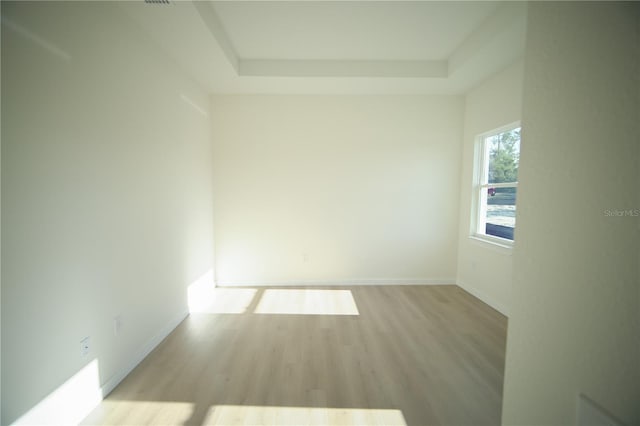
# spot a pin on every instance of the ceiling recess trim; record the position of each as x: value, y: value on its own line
x: 339, y: 68
x: 506, y: 16
x: 211, y: 20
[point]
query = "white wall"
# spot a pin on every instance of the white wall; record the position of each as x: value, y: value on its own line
x: 0, y: 219
x: 575, y: 322
x: 484, y: 269
x: 106, y: 194
x: 336, y: 188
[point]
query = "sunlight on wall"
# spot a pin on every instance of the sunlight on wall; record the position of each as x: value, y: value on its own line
x: 35, y: 38
x: 70, y: 403
x: 259, y: 415
x: 205, y: 298
x: 193, y: 105
x: 307, y: 302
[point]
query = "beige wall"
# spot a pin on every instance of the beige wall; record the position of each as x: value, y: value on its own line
x: 0, y: 221
x: 485, y: 269
x: 336, y: 189
x: 106, y: 195
x: 575, y: 322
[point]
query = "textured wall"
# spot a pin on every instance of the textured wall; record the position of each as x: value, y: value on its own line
x: 575, y: 323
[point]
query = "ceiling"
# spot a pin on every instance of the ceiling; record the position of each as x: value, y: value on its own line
x: 350, y: 30
x: 331, y: 47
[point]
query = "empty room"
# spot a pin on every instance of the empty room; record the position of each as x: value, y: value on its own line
x: 320, y: 213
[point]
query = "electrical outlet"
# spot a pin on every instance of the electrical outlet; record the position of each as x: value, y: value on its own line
x: 84, y: 346
x: 117, y: 324
x: 305, y: 257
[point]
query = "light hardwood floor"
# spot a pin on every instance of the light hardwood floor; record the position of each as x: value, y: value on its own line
x: 415, y: 355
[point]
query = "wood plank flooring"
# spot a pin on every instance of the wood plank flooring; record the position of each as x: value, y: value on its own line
x: 414, y: 355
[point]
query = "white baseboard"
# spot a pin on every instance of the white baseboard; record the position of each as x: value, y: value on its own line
x: 320, y: 283
x: 486, y: 299
x: 145, y: 350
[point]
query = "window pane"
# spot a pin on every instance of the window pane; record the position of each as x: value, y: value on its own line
x: 504, y: 155
x: 501, y: 212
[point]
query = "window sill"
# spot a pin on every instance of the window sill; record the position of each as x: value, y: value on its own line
x: 495, y: 244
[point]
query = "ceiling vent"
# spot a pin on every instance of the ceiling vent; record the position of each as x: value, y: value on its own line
x: 157, y: 1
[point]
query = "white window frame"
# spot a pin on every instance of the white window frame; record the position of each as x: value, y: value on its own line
x: 481, y: 187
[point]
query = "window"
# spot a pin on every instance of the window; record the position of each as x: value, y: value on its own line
x: 496, y: 184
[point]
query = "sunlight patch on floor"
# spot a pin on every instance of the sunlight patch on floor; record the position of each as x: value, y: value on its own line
x: 140, y: 413
x: 307, y: 302
x: 220, y: 300
x: 260, y: 415
x: 205, y: 298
